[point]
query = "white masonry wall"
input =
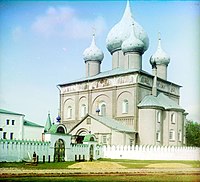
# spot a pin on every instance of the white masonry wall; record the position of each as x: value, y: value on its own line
x: 151, y: 152
x: 19, y: 150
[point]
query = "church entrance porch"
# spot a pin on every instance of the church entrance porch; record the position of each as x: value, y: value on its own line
x: 59, y: 151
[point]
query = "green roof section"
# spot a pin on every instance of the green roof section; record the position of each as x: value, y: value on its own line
x: 161, y: 101
x: 53, y: 128
x: 10, y: 112
x: 89, y: 138
x: 48, y: 123
x: 29, y: 123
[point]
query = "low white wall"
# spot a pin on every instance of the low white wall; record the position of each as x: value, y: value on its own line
x: 19, y: 150
x: 151, y: 152
x: 82, y: 151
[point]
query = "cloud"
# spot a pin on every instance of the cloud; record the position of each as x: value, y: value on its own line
x: 62, y: 21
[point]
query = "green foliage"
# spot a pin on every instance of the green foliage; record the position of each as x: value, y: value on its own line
x: 193, y: 133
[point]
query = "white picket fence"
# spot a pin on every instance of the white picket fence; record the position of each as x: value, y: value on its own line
x: 151, y: 152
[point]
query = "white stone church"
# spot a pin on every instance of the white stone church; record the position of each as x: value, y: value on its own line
x: 125, y: 105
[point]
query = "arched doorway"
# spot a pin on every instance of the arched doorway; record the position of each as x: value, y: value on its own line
x: 80, y: 135
x: 91, y: 152
x: 59, y: 151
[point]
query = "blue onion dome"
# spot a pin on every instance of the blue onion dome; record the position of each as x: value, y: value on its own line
x: 133, y: 44
x: 58, y: 118
x: 160, y: 56
x: 122, y: 30
x: 93, y: 53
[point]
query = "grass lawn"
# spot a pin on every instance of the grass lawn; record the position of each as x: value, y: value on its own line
x: 52, y: 165
x: 152, y: 177
x: 143, y: 163
x: 130, y: 164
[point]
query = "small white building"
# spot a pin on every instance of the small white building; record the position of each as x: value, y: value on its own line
x: 13, y: 126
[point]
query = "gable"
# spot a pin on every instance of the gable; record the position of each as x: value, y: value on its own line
x: 99, y: 124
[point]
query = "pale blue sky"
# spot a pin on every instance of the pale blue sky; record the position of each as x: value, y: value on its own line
x: 41, y: 45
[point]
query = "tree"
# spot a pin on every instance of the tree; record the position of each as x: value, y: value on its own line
x: 193, y: 133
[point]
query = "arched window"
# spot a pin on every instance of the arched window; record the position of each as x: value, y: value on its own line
x: 83, y: 110
x: 69, y: 112
x: 125, y: 106
x: 173, y: 118
x: 158, y: 116
x: 102, y: 107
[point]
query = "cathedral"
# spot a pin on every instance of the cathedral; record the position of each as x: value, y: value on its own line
x: 125, y: 105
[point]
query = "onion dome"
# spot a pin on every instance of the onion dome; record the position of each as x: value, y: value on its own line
x: 121, y: 31
x: 160, y: 56
x: 133, y: 44
x: 93, y: 53
x: 58, y: 119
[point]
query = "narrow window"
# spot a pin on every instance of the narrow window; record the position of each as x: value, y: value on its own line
x: 88, y: 120
x: 103, y: 110
x: 179, y: 136
x: 7, y: 121
x: 172, y: 135
x: 173, y: 118
x: 13, y: 122
x: 83, y: 110
x: 125, y: 106
x: 104, y: 139
x: 4, y: 135
x: 158, y: 116
x: 131, y: 142
x: 69, y: 112
x: 11, y: 136
x: 158, y: 136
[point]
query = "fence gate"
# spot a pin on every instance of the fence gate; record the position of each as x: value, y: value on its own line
x: 59, y: 151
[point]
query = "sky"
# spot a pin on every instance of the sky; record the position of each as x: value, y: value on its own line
x: 42, y: 44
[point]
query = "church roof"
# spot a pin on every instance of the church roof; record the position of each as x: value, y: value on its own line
x: 109, y: 122
x: 161, y: 101
x: 112, y: 123
x: 48, y: 123
x: 10, y: 112
x: 109, y: 73
x: 29, y: 123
